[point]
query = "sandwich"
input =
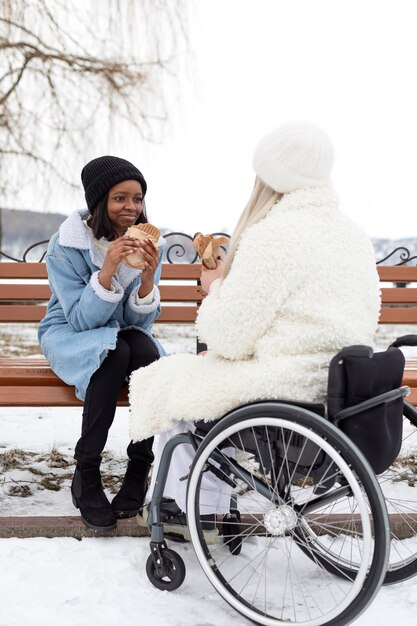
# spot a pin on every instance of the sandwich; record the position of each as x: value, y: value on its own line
x: 141, y: 231
x: 208, y: 249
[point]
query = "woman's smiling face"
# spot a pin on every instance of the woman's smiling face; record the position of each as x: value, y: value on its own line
x: 124, y: 205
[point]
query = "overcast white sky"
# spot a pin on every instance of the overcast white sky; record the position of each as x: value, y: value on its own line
x: 347, y: 65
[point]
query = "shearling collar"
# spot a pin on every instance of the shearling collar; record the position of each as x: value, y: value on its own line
x: 73, y: 233
x: 319, y: 197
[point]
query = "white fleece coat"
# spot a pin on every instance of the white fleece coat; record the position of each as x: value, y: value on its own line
x: 303, y: 285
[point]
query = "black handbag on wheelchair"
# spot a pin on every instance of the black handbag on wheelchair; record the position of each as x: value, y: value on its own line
x: 358, y: 376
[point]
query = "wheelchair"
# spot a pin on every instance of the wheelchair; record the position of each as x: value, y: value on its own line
x: 311, y: 492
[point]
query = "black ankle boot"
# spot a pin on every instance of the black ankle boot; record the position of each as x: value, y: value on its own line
x: 88, y: 496
x: 129, y: 500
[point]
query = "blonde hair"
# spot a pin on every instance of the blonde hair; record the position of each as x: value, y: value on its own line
x: 260, y: 202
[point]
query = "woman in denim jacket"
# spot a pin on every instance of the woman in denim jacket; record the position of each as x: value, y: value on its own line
x: 97, y: 328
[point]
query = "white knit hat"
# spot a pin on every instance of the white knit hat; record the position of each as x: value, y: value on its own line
x: 294, y: 156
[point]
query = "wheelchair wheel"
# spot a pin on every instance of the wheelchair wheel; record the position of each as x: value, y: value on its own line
x: 286, y: 466
x: 174, y: 571
x: 399, y: 487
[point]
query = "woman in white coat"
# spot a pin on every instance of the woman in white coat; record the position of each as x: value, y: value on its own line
x: 299, y: 283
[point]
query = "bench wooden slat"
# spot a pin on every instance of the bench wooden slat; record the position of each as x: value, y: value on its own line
x: 177, y: 315
x: 170, y: 271
x: 398, y: 295
x: 183, y: 271
x: 22, y: 270
x: 21, y: 313
x: 397, y: 274
x: 16, y: 361
x: 27, y: 371
x: 186, y: 293
x: 25, y: 292
x: 185, y: 314
x: 169, y: 293
x: 181, y: 293
x: 28, y: 374
x: 410, y: 376
x: 32, y: 313
x: 398, y: 315
x: 34, y: 395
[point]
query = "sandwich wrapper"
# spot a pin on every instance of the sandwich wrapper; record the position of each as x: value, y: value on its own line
x: 208, y: 249
x: 141, y: 231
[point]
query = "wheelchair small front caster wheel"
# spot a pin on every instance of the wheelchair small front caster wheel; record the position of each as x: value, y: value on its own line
x: 232, y: 532
x: 173, y: 570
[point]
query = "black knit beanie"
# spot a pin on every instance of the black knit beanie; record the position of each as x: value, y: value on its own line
x: 99, y: 175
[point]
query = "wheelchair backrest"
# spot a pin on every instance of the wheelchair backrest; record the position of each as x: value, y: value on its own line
x: 357, y: 374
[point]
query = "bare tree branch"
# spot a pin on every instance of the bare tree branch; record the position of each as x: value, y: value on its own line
x: 68, y: 70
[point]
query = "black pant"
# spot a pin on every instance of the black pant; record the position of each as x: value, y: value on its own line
x: 133, y: 350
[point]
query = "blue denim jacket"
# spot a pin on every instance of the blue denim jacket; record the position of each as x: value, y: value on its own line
x: 83, y: 319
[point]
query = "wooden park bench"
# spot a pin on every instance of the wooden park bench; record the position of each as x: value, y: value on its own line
x: 24, y: 290
x: 29, y: 381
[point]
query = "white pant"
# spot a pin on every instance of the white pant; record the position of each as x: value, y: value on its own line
x: 214, y: 493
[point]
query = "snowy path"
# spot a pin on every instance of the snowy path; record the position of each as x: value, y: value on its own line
x: 51, y: 582
x: 65, y: 582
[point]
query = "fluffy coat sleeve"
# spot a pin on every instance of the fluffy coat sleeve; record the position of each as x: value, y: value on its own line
x: 240, y: 309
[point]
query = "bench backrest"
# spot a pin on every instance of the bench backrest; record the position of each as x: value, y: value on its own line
x: 24, y: 290
x: 399, y: 299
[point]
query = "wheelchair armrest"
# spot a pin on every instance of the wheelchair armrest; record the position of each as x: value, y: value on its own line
x: 405, y: 340
x: 382, y: 398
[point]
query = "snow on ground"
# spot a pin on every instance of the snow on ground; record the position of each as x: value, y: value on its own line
x: 65, y: 582
x: 40, y: 431
x: 50, y: 582
x: 69, y: 582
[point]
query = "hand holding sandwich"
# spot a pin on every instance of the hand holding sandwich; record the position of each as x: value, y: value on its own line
x: 150, y: 255
x: 146, y: 255
x: 137, y: 248
x: 209, y: 276
x: 209, y: 249
x: 117, y: 251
